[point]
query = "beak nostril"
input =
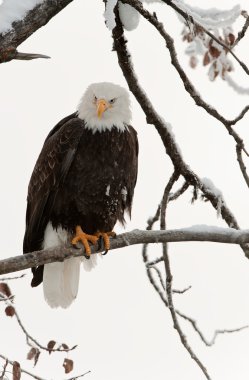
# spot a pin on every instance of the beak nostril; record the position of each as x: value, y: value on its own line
x: 101, y: 107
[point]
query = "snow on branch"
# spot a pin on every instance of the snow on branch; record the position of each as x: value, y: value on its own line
x: 212, y: 17
x: 128, y: 15
x: 213, y: 189
x: 194, y: 233
x: 239, y: 89
x: 28, y: 16
x: 109, y: 13
x: 11, y: 11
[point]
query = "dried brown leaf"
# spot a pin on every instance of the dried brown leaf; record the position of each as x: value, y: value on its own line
x: 10, y: 311
x: 31, y: 353
x: 214, y: 51
x: 16, y: 371
x: 187, y: 37
x: 51, y: 345
x: 37, y: 355
x: 4, y: 288
x: 68, y: 365
x: 65, y: 346
x: 231, y: 38
x: 206, y: 59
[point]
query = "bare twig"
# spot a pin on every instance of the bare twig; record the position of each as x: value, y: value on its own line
x: 156, y: 287
x: 34, y: 341
x: 35, y: 376
x: 12, y: 278
x: 154, y: 219
x: 159, y: 275
x: 164, y: 300
x: 3, y: 298
x: 189, y: 319
x: 169, y: 277
x: 175, y: 320
x: 22, y: 370
x: 29, y: 56
x: 77, y: 377
x: 216, y: 333
x: 166, y: 195
x: 241, y: 164
x: 177, y: 291
x: 179, y: 192
x: 154, y: 262
x: 242, y: 33
x: 4, y: 369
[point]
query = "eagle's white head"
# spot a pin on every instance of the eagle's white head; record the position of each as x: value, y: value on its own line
x: 104, y: 106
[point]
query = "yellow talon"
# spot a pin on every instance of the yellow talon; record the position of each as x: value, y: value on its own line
x: 84, y: 239
x: 106, y: 239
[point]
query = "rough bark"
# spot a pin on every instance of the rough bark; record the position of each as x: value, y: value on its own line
x: 21, y: 30
x: 215, y: 234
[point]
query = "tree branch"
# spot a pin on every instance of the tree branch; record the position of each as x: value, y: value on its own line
x: 196, y: 233
x: 7, y: 361
x: 22, y: 370
x: 242, y: 33
x: 217, y: 332
x: 161, y: 126
x: 188, y: 18
x: 21, y: 30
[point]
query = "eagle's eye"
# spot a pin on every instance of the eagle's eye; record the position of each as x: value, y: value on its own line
x: 112, y: 101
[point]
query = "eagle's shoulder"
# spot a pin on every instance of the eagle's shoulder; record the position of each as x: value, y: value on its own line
x: 56, y: 155
x: 61, y: 123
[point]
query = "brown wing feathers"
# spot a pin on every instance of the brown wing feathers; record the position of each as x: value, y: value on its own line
x: 50, y: 171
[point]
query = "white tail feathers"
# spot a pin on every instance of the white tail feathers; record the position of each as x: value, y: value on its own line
x: 61, y: 280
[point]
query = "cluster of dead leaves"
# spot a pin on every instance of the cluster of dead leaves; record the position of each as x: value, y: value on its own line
x: 5, y: 293
x: 34, y: 352
x: 214, y: 54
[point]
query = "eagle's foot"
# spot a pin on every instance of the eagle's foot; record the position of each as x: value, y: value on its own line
x: 84, y: 239
x: 105, y: 236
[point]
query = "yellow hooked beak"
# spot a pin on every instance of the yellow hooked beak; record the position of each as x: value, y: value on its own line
x: 102, y: 106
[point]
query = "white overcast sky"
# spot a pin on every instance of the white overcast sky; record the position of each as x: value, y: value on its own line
x: 122, y: 329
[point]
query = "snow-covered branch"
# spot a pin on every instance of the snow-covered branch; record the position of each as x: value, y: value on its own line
x: 195, y: 233
x: 163, y: 128
x: 26, y: 20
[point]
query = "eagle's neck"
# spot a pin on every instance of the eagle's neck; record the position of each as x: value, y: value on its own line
x: 101, y: 125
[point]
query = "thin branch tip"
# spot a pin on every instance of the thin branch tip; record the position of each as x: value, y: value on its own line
x: 30, y: 56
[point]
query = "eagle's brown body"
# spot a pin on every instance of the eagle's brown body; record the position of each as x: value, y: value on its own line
x: 80, y: 178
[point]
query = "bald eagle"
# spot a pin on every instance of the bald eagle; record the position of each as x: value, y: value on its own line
x: 82, y: 184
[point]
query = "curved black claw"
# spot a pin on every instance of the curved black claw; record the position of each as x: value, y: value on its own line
x: 103, y: 254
